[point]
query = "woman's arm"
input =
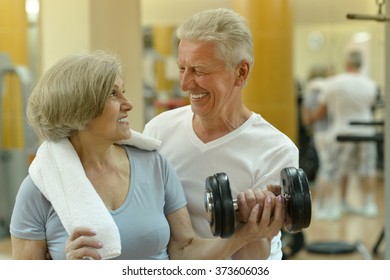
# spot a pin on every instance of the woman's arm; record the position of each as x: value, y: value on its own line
x: 25, y: 249
x: 185, y: 245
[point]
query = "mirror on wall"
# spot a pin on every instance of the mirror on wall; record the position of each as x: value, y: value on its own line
x: 322, y: 35
x: 160, y: 72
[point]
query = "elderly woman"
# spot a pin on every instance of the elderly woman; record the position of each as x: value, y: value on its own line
x: 81, y: 101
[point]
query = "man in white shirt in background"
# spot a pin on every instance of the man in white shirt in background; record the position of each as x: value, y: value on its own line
x: 348, y: 97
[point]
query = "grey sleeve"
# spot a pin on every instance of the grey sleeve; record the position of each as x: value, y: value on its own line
x: 174, y: 194
x: 28, y: 220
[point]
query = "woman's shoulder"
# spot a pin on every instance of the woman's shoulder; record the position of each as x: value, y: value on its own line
x: 144, y: 156
x: 28, y: 188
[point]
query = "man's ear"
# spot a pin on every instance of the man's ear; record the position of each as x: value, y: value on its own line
x: 242, y: 73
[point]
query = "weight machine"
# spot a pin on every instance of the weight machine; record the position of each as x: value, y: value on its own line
x: 14, y: 161
x: 382, y: 16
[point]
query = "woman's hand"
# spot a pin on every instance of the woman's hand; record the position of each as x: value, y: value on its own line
x: 81, y: 245
x: 248, y: 199
x: 266, y: 217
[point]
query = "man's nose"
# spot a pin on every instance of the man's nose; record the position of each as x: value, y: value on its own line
x: 187, y: 81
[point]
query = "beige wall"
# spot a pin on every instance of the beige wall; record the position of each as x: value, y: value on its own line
x: 86, y: 25
x: 173, y: 12
x: 64, y: 29
x: 336, y: 41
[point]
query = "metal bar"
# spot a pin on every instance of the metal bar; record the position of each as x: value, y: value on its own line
x: 368, y: 17
x: 387, y: 141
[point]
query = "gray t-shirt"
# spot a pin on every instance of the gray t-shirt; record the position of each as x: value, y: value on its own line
x: 155, y: 192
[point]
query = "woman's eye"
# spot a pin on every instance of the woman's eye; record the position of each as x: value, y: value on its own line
x: 113, y: 93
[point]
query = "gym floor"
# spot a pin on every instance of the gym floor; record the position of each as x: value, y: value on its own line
x: 351, y: 229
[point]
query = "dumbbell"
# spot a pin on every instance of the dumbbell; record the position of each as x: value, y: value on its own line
x: 221, y: 207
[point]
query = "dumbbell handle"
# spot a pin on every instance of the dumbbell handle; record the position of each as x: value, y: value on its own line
x: 210, y: 203
x: 235, y: 205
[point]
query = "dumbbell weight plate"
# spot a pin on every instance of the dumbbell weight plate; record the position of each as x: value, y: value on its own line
x: 306, y: 199
x: 213, y: 205
x: 298, y: 201
x: 228, y: 217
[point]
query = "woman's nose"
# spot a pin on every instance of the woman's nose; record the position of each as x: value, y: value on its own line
x: 126, y: 105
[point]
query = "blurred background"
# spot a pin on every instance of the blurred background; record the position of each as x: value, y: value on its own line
x: 290, y: 36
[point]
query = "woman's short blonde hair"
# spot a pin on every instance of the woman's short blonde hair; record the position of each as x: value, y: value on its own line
x: 71, y: 93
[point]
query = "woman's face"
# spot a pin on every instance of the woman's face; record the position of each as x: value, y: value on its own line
x: 113, y: 123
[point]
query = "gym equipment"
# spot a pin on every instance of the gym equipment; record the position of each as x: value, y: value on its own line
x: 221, y: 207
x: 341, y: 247
x: 292, y: 243
x: 14, y: 161
x: 331, y: 247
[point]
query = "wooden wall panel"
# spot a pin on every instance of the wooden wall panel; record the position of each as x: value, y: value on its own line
x: 13, y: 41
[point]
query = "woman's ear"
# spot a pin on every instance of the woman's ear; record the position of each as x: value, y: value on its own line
x: 242, y: 73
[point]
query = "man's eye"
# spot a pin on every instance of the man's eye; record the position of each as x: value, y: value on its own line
x: 199, y: 73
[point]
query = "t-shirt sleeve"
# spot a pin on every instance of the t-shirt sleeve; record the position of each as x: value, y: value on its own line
x: 285, y: 155
x: 174, y: 194
x: 28, y: 216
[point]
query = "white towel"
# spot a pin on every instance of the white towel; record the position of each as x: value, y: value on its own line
x: 141, y: 141
x: 58, y: 173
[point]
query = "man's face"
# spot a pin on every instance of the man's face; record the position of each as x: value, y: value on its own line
x: 204, y: 77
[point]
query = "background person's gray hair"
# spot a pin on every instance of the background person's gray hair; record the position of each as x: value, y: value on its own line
x: 318, y: 71
x: 71, y: 93
x: 354, y: 58
x: 227, y: 29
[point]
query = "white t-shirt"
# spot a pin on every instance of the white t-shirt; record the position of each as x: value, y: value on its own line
x: 349, y: 97
x: 252, y: 156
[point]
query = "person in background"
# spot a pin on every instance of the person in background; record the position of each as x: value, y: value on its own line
x: 80, y: 105
x: 316, y: 82
x: 348, y: 97
x: 217, y: 132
